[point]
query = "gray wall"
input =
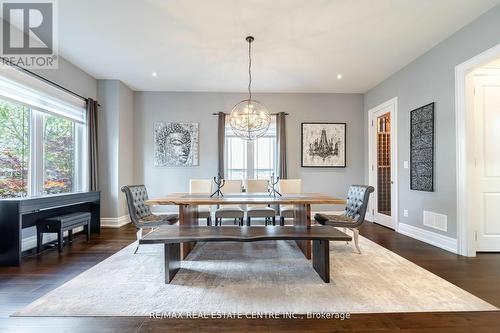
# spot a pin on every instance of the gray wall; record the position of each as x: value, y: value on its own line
x: 115, y: 145
x: 150, y: 107
x: 430, y: 78
x: 72, y: 78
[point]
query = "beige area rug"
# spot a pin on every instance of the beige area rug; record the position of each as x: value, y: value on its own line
x: 261, y: 277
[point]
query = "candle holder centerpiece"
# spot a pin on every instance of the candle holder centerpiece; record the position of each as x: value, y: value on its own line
x: 220, y: 182
x: 273, y: 183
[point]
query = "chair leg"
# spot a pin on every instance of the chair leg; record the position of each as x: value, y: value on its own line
x: 209, y: 222
x: 234, y: 221
x: 70, y: 236
x: 241, y: 221
x: 356, y: 234
x: 282, y: 221
x: 248, y: 221
x: 139, y: 236
x: 274, y: 220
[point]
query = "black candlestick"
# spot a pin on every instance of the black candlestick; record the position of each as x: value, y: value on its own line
x: 273, y: 184
x: 220, y: 184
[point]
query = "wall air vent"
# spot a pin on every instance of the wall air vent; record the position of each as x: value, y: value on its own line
x: 436, y: 221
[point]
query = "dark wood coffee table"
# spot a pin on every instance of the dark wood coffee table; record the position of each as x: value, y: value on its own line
x: 173, y: 236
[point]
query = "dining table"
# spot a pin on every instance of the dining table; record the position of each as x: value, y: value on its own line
x: 188, y: 208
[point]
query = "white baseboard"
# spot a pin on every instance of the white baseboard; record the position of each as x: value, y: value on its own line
x: 114, y: 222
x: 441, y: 241
x: 30, y: 242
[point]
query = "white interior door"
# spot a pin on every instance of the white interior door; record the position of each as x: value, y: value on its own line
x: 383, y: 166
x: 487, y: 161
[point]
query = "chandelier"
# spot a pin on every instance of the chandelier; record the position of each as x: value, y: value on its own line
x: 249, y: 119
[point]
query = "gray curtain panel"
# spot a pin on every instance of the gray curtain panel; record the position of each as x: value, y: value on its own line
x: 92, y: 109
x: 281, y: 136
x: 221, y: 141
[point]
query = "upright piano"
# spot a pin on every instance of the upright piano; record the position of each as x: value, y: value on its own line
x: 19, y: 213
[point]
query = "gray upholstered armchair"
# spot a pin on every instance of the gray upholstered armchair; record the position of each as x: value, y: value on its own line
x: 140, y: 213
x: 355, y: 211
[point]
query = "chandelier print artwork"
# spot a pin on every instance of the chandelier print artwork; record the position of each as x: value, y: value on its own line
x: 249, y: 119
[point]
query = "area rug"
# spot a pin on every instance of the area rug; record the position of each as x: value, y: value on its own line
x: 263, y: 277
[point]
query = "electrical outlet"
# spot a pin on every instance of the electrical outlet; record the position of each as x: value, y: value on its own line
x: 406, y: 164
x: 405, y: 213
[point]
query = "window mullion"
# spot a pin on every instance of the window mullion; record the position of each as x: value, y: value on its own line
x: 250, y: 159
x: 36, y: 154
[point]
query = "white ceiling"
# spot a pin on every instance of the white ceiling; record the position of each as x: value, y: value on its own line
x: 300, y: 46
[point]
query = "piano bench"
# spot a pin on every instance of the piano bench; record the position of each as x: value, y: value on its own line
x: 60, y: 224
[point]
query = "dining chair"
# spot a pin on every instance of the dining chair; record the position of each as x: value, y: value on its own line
x: 263, y: 211
x: 355, y: 211
x: 202, y: 186
x: 140, y: 213
x: 288, y: 186
x: 230, y: 211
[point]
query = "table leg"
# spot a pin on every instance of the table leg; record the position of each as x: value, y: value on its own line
x: 302, y: 217
x: 95, y: 220
x: 172, y: 260
x: 188, y: 215
x: 321, y: 259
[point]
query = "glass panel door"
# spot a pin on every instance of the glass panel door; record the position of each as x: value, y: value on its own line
x: 384, y: 164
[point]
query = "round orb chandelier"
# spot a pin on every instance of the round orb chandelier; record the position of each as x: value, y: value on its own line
x: 249, y: 119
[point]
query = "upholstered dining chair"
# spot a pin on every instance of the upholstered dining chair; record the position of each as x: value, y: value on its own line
x: 140, y: 213
x: 355, y: 211
x: 259, y: 186
x: 288, y: 186
x: 230, y: 211
x: 202, y: 186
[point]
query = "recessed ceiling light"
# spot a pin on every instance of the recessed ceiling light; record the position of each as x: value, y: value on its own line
x: 154, y: 74
x: 339, y: 76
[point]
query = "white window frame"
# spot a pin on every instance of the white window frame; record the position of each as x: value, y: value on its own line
x: 42, y: 99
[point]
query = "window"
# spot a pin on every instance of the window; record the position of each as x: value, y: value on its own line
x: 14, y: 150
x: 42, y: 143
x: 251, y: 159
x: 58, y: 155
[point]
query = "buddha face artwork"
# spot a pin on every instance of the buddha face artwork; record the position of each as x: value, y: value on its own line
x: 175, y: 144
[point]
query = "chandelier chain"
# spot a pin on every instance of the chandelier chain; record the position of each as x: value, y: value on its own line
x: 250, y: 69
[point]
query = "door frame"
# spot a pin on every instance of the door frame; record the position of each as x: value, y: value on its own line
x: 394, y: 158
x: 466, y: 224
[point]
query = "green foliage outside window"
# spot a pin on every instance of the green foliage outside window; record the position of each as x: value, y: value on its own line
x: 59, y: 150
x: 14, y: 149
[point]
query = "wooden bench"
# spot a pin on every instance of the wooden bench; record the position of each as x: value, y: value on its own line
x: 173, y: 236
x: 60, y: 224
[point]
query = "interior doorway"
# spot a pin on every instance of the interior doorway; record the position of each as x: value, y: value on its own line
x: 477, y: 91
x: 486, y: 171
x: 383, y: 163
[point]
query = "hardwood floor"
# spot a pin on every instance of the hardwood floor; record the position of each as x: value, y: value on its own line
x: 38, y: 275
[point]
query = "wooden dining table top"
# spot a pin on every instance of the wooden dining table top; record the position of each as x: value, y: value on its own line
x: 246, y: 198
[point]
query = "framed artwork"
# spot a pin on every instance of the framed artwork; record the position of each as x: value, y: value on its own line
x: 422, y: 148
x: 175, y: 144
x: 324, y: 145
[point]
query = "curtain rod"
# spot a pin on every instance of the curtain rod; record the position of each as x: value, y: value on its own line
x: 52, y: 83
x: 272, y: 114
